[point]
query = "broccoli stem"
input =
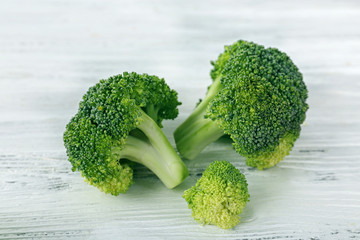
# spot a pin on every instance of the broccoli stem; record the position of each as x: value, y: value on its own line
x: 196, y: 132
x: 155, y: 152
x: 152, y: 112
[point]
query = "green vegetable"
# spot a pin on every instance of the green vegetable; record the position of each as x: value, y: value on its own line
x: 118, y: 120
x: 219, y: 196
x: 257, y: 97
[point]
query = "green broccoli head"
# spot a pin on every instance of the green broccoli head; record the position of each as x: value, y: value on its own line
x: 118, y: 120
x: 258, y: 97
x: 262, y: 103
x: 219, y: 196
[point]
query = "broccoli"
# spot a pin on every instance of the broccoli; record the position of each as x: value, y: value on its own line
x: 219, y: 196
x: 257, y: 97
x: 119, y: 121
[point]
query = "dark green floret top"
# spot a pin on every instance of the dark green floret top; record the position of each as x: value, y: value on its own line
x: 219, y: 196
x: 119, y: 119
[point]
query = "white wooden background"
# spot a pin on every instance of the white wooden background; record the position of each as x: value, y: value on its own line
x: 52, y: 51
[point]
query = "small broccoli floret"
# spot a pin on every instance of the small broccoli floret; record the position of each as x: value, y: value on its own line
x: 219, y: 196
x: 119, y: 120
x: 257, y: 97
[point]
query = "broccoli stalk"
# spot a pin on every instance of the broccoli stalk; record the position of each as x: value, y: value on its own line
x: 196, y: 132
x: 154, y: 151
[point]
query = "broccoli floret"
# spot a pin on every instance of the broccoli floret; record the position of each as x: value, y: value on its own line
x: 219, y: 196
x: 258, y: 97
x: 118, y: 121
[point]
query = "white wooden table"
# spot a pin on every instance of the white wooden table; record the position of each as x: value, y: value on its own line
x: 52, y: 51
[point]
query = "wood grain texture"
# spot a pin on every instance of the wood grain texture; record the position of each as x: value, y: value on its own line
x: 52, y: 51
